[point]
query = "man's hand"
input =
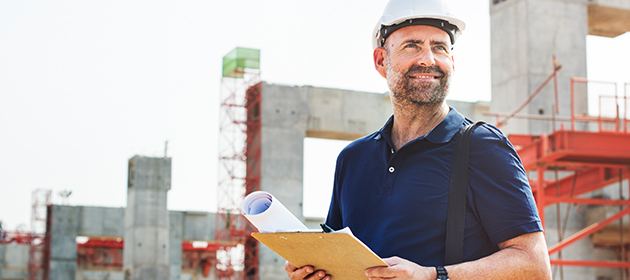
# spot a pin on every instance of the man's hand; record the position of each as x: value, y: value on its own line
x: 401, y: 269
x: 304, y: 273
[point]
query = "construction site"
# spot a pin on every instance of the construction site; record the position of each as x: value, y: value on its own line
x: 578, y: 162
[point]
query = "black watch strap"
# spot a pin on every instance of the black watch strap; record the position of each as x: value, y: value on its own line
x: 441, y: 273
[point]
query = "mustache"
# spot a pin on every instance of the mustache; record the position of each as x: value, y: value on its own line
x: 417, y: 69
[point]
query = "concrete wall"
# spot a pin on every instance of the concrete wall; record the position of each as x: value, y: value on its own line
x: 525, y: 34
x: 13, y: 261
x: 68, y: 222
x: 342, y: 114
x: 101, y: 221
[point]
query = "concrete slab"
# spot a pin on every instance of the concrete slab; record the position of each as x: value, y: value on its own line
x: 102, y: 221
x: 345, y: 114
x: 608, y: 18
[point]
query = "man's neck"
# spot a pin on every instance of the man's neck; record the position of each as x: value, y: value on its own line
x: 414, y: 121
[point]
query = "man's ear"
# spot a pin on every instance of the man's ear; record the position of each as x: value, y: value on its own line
x: 453, y: 60
x: 379, y: 61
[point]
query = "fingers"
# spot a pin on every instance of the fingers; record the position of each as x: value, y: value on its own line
x: 378, y: 273
x: 398, y: 268
x: 304, y: 273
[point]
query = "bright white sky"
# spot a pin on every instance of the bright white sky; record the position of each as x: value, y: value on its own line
x: 86, y: 85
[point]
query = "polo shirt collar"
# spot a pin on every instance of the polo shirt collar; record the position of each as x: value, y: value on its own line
x: 442, y: 133
x: 447, y: 128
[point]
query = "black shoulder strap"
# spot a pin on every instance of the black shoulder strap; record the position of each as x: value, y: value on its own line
x: 457, y: 198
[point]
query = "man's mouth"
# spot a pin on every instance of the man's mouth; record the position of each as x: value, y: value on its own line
x: 426, y: 74
x: 421, y: 76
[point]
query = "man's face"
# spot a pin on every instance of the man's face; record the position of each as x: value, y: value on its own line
x: 419, y: 64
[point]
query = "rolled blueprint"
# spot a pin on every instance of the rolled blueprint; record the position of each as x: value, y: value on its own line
x: 267, y: 214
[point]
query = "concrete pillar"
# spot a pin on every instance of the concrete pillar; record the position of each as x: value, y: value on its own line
x: 176, y: 232
x: 146, y: 253
x: 284, y: 115
x: 63, y: 245
x: 525, y: 34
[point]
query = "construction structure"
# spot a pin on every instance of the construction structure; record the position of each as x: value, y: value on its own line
x: 571, y: 158
x: 239, y: 163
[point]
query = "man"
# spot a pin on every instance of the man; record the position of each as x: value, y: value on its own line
x: 391, y: 187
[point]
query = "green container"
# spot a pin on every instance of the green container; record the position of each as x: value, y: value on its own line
x: 235, y: 62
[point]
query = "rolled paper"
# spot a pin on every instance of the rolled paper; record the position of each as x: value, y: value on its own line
x: 268, y: 214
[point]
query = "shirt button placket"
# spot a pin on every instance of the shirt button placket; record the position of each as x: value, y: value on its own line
x: 391, y: 169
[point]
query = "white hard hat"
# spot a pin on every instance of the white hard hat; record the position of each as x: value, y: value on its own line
x: 401, y: 13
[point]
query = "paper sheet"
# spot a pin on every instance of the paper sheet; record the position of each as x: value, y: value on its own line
x: 267, y: 214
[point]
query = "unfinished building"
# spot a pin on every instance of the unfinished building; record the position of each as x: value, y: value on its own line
x: 553, y: 134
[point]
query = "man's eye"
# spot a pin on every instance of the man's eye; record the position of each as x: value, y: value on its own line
x: 440, y: 48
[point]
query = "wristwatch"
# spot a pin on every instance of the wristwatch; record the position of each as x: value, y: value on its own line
x: 441, y: 273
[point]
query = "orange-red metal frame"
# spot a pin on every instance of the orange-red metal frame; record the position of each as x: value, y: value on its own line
x: 240, y: 163
x: 39, y: 251
x: 101, y: 252
x: 598, y: 159
x: 108, y: 252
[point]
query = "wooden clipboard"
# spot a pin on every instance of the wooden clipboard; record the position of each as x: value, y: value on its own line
x: 341, y: 255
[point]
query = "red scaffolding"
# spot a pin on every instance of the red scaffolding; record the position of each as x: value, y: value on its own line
x: 39, y: 251
x: 595, y: 157
x: 239, y: 163
x: 107, y: 252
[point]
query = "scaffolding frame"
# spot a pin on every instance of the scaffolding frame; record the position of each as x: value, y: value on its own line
x: 598, y: 159
x: 39, y: 250
x: 239, y: 163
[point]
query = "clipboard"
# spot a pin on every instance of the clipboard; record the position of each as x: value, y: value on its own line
x: 341, y: 255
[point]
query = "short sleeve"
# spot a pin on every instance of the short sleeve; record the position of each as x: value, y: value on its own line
x: 500, y: 195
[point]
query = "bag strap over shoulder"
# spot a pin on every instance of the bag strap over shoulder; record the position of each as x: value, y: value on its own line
x: 457, y: 197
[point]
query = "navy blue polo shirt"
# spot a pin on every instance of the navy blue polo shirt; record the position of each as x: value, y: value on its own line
x: 395, y: 202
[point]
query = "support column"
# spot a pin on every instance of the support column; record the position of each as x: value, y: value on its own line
x: 146, y: 253
x: 176, y: 232
x: 63, y: 244
x: 284, y: 115
x: 525, y: 35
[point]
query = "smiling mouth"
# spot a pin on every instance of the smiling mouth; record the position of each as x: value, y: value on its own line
x: 425, y: 77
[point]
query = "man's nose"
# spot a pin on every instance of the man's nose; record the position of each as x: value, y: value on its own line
x: 425, y: 58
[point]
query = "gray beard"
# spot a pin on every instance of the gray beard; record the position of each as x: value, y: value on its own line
x: 402, y: 86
